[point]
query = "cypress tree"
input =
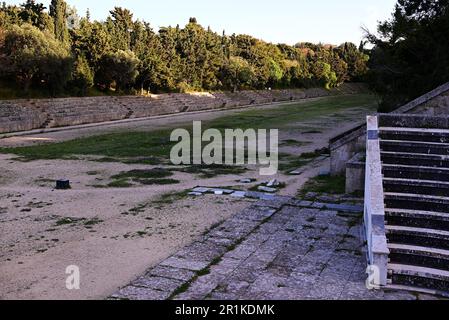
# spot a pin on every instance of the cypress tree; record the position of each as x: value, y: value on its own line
x: 58, y: 10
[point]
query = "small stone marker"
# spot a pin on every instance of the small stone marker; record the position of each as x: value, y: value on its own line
x: 221, y: 191
x: 272, y: 183
x: 62, y: 184
x: 266, y: 189
x: 195, y: 194
x: 238, y: 194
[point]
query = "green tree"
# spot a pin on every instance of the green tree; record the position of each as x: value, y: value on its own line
x: 238, y: 74
x: 355, y: 59
x: 91, y: 40
x: 34, y: 14
x: 82, y: 77
x: 9, y: 15
x: 58, y: 11
x: 120, y: 27
x: 411, y: 51
x: 32, y: 55
x: 119, y: 68
x: 154, y: 72
x: 324, y: 75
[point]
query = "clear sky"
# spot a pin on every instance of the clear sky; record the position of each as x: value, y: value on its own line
x: 281, y: 21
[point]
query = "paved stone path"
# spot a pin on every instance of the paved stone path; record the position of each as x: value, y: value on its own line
x: 282, y: 249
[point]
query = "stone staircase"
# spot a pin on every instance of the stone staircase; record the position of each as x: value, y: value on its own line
x: 415, y: 166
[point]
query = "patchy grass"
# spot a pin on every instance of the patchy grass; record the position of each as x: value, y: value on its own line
x: 324, y: 184
x: 210, y: 171
x: 157, y: 176
x: 93, y: 222
x: 170, y: 198
x: 156, y: 173
x: 312, y: 132
x: 294, y: 143
x: 156, y: 182
x: 289, y: 162
x: 68, y: 221
x: 120, y: 183
x: 290, y: 114
x: 113, y: 147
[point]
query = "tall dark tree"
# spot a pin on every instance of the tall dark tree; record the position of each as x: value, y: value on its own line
x: 58, y: 11
x: 120, y: 26
x: 411, y: 53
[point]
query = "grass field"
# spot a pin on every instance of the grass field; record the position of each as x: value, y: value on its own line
x: 154, y: 147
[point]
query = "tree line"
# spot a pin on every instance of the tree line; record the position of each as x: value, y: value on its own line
x: 57, y: 50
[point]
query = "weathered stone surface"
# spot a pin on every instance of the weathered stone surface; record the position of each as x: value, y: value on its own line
x: 267, y: 189
x: 201, y: 189
x: 185, y: 264
x: 202, y: 287
x: 238, y: 194
x: 201, y: 251
x: 317, y: 205
x: 241, y: 252
x: 139, y: 293
x: 268, y: 252
x: 304, y: 203
x: 311, y: 196
x: 344, y: 208
x: 171, y: 273
x: 157, y: 283
x: 195, y: 194
x: 226, y: 266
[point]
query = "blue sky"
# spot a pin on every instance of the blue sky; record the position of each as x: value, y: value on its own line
x: 281, y: 21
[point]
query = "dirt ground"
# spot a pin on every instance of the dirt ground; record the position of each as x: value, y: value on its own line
x: 112, y: 234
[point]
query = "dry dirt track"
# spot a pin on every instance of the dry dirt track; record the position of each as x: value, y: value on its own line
x: 110, y: 247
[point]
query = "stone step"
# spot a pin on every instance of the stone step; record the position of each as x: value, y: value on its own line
x: 414, y: 147
x: 420, y: 277
x: 425, y: 187
x: 416, y: 202
x: 417, y: 219
x: 413, y: 121
x: 419, y: 256
x: 415, y: 134
x: 415, y: 159
x: 415, y: 172
x: 431, y: 238
x: 432, y: 292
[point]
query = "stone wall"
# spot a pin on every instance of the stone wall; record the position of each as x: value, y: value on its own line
x: 24, y: 115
